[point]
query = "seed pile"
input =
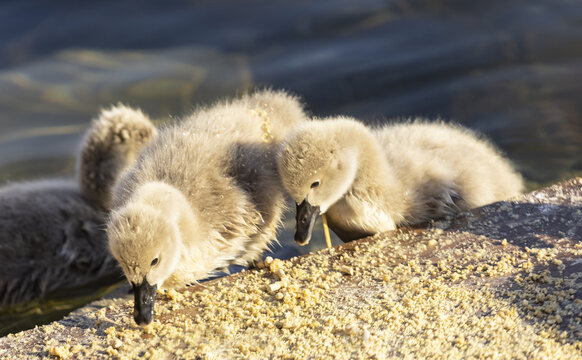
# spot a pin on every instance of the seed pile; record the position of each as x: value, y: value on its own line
x: 503, y: 281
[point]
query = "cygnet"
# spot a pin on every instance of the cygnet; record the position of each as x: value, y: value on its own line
x: 206, y: 194
x: 370, y: 180
x: 52, y: 232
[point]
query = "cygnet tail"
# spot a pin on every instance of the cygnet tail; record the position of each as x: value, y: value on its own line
x: 111, y: 145
x: 279, y: 111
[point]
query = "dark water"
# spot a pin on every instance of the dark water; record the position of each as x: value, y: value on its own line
x: 510, y: 69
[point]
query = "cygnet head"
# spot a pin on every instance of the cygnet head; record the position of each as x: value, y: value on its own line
x: 317, y: 167
x: 146, y: 245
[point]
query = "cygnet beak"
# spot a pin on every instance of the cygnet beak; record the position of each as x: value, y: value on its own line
x: 145, y: 297
x: 306, y: 216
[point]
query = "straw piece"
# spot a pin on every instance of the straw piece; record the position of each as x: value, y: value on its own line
x: 326, y: 231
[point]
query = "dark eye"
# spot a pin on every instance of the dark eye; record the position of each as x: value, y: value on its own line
x: 315, y: 184
x: 155, y: 261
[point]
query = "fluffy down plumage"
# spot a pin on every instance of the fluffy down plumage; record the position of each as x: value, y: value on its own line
x: 204, y: 195
x: 372, y: 180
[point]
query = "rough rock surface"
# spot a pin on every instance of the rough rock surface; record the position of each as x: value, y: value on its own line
x: 502, y: 281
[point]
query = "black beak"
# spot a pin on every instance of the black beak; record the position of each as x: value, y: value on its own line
x: 145, y: 297
x: 306, y: 215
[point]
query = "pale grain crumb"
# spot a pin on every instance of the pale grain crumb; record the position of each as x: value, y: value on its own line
x: 275, y: 286
x: 275, y: 265
x: 347, y: 270
x: 281, y: 274
x: 366, y: 335
x: 174, y: 295
x: 62, y: 352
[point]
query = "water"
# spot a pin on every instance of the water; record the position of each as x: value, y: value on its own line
x: 510, y: 69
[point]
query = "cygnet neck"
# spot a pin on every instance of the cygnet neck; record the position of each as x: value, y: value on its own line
x: 374, y: 174
x: 198, y: 252
x: 172, y: 204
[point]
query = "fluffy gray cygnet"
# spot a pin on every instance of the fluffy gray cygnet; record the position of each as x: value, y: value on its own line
x: 370, y: 180
x: 52, y: 232
x: 206, y: 194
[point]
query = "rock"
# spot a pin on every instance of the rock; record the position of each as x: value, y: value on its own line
x: 499, y: 281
